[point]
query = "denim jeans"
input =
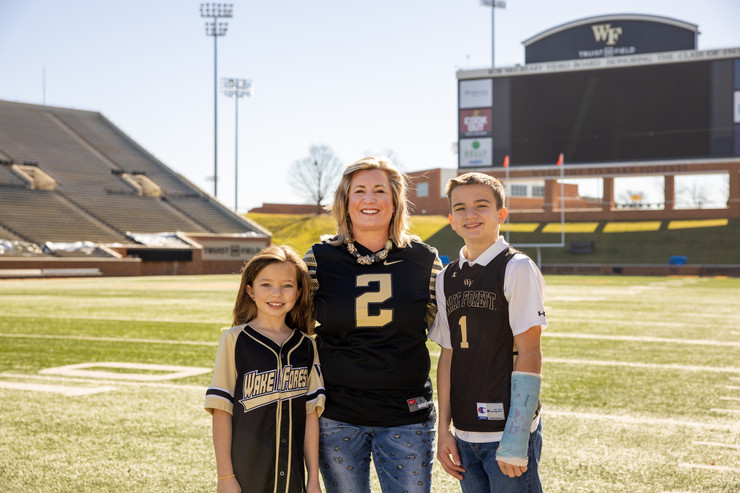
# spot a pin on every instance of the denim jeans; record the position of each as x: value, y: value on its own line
x: 402, y: 455
x: 483, y: 475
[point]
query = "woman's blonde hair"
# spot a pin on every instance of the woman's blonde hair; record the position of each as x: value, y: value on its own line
x: 300, y: 316
x: 399, y: 226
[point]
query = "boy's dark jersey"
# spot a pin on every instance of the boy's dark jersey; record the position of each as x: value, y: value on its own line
x: 273, y: 385
x: 372, y: 333
x: 482, y: 343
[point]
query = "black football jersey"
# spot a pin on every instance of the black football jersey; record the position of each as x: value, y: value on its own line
x: 482, y: 362
x: 372, y: 333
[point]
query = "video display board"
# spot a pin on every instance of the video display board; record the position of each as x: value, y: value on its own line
x: 647, y: 111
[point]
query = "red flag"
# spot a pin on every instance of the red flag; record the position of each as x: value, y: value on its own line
x: 560, y: 159
x: 506, y: 162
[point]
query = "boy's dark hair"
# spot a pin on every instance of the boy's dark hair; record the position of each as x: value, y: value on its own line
x: 475, y: 178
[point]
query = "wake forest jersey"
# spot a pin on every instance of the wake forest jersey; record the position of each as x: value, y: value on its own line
x: 372, y: 333
x: 268, y: 389
x: 482, y: 340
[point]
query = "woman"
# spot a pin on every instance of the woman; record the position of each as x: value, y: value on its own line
x: 374, y: 300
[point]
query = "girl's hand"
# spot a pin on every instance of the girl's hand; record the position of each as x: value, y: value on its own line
x: 313, y: 486
x: 228, y: 485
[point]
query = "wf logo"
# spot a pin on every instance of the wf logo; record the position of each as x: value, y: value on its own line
x: 605, y: 32
x: 468, y: 282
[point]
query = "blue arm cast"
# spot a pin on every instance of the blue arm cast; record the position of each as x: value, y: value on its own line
x: 525, y: 394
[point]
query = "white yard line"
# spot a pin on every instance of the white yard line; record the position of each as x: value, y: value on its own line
x: 725, y: 411
x: 55, y: 389
x: 650, y: 366
x: 730, y: 398
x: 660, y: 340
x: 718, y: 445
x: 639, y: 420
x: 112, y: 339
x: 165, y: 372
x: 19, y: 376
x: 627, y: 364
x: 710, y: 467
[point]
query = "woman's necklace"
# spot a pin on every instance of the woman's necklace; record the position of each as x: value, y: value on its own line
x: 373, y: 257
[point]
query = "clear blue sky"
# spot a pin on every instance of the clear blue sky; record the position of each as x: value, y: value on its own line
x: 356, y: 75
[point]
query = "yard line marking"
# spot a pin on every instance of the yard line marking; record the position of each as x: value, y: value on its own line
x: 728, y: 411
x: 80, y: 370
x: 55, y: 389
x: 693, y: 342
x: 640, y: 420
x: 697, y: 342
x: 730, y: 398
x: 614, y: 321
x: 711, y: 468
x: 718, y: 445
x: 111, y: 339
x: 20, y: 376
x: 732, y: 387
x: 652, y: 366
x: 737, y: 379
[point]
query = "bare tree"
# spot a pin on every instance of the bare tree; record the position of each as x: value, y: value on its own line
x: 315, y: 176
x: 694, y: 194
x: 630, y: 197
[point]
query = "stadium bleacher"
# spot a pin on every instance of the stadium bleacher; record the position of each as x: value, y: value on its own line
x: 93, y: 198
x: 40, y: 216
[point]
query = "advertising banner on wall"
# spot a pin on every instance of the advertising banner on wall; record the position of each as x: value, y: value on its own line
x: 476, y: 93
x: 231, y: 248
x: 476, y: 152
x: 475, y: 123
x: 737, y: 107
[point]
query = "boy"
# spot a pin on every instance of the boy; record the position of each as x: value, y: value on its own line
x: 488, y: 324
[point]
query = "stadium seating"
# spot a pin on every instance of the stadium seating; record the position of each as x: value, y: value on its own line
x: 40, y: 216
x: 89, y: 159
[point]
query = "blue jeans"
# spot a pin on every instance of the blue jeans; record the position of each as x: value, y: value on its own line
x: 483, y: 475
x: 402, y: 455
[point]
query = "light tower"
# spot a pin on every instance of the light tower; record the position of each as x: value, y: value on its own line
x: 215, y: 28
x: 237, y: 88
x: 494, y: 4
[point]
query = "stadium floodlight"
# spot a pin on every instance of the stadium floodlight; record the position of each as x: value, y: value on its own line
x: 216, y: 29
x: 237, y: 89
x: 494, y: 4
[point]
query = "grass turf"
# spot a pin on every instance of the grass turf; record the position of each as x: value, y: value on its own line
x: 641, y: 384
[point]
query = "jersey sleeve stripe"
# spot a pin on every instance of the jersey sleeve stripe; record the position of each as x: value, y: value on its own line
x: 432, y: 305
x: 217, y: 392
x: 310, y: 260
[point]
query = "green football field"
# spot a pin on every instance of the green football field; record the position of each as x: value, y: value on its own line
x: 102, y: 384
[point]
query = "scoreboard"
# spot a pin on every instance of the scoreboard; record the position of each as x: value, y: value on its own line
x: 681, y: 104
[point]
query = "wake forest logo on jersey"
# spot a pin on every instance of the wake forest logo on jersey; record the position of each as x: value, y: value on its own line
x: 471, y: 298
x: 261, y: 388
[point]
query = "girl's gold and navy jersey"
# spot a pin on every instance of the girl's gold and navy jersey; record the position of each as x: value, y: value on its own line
x: 372, y: 332
x: 268, y: 389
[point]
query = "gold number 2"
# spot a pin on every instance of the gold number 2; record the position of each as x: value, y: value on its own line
x: 362, y: 303
x: 464, y: 329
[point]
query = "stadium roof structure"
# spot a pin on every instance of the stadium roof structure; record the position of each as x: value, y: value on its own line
x: 70, y: 175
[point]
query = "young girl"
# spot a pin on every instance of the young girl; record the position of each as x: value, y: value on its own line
x: 267, y: 391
